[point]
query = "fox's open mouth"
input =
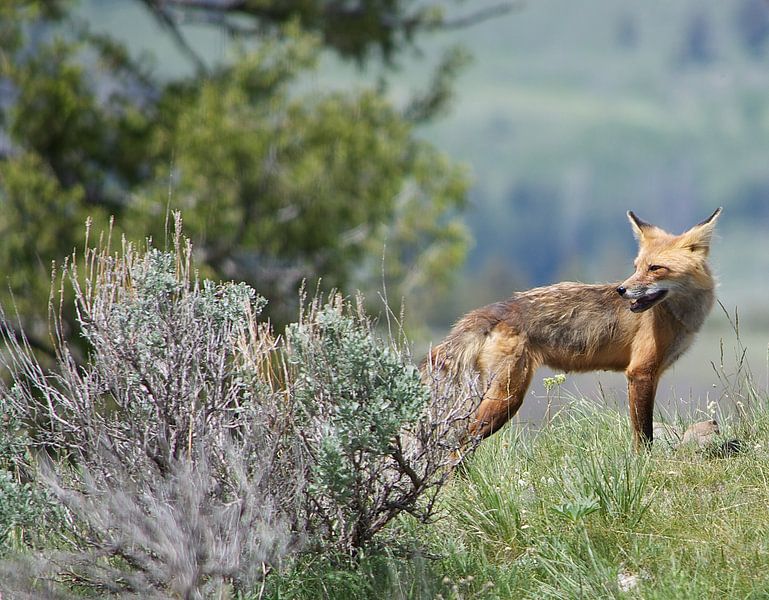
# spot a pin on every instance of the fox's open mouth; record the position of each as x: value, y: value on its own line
x: 646, y: 302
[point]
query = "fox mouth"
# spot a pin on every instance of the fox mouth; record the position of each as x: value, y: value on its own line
x: 646, y: 302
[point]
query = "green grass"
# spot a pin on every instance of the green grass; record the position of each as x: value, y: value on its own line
x: 571, y: 512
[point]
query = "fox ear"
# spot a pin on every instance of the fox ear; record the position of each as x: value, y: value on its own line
x: 698, y: 238
x: 641, y: 229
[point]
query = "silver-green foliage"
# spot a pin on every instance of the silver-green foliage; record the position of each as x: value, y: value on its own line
x: 365, y: 399
x: 176, y: 478
x: 361, y: 412
x: 22, y: 505
x: 193, y: 451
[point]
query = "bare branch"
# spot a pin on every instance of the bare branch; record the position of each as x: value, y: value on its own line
x: 484, y: 14
x: 389, y: 23
x: 397, y: 454
x: 157, y: 9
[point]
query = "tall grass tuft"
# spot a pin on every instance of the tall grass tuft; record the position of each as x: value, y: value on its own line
x: 489, y: 505
x: 606, y: 478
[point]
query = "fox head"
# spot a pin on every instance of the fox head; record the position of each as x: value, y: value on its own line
x: 668, y: 264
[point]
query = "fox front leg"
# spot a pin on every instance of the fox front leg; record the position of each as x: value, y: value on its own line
x: 641, y: 387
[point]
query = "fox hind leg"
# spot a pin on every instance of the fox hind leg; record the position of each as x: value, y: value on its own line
x: 507, y: 384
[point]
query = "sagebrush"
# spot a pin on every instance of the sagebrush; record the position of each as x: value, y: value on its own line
x: 193, y: 450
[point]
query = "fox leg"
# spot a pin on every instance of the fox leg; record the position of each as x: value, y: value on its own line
x: 642, y: 387
x: 507, y: 385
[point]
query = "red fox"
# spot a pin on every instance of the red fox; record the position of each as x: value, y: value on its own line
x: 640, y: 326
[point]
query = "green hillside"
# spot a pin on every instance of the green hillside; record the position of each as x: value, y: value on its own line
x: 574, y: 113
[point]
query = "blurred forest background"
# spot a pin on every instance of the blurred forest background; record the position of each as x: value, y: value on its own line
x: 452, y: 153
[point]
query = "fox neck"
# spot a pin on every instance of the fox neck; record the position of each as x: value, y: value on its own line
x: 690, y: 309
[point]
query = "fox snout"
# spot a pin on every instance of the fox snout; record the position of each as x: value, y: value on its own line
x: 633, y: 292
x: 642, y: 297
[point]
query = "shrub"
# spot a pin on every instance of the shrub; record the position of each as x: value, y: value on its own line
x: 379, y: 443
x: 23, y: 507
x: 169, y: 463
x: 192, y: 450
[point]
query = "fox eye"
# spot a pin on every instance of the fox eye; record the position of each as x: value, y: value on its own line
x: 655, y: 267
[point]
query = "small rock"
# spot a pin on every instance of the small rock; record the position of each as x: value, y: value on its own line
x: 702, y: 433
x: 626, y: 581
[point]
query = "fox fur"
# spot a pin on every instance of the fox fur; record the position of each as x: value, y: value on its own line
x: 639, y: 326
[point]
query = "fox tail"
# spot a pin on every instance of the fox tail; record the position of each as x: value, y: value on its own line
x: 457, y: 354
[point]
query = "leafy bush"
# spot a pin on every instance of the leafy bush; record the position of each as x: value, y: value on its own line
x: 193, y: 451
x: 22, y: 505
x: 378, y: 441
x: 167, y: 462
